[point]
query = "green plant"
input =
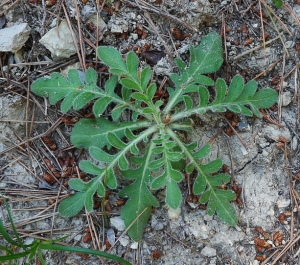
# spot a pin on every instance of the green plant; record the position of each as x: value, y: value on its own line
x: 35, y: 248
x: 277, y: 3
x: 147, y: 148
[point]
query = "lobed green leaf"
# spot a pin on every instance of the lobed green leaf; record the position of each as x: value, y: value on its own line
x: 112, y: 58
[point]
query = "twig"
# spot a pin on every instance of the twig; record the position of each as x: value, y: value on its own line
x: 73, y: 36
x: 12, y: 5
x: 262, y: 30
x: 271, y: 120
x: 292, y: 13
x: 223, y: 29
x: 281, y: 88
x: 149, y: 20
x: 287, y: 246
x: 52, y: 128
x: 176, y: 239
x: 144, y: 5
x: 54, y: 210
x: 230, y: 158
x: 82, y: 47
x: 234, y: 130
x: 92, y: 229
x: 270, y: 10
x: 24, y: 166
x: 26, y: 124
x: 254, y: 49
x: 128, y: 228
x: 267, y: 69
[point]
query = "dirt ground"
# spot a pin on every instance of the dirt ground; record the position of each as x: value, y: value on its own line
x: 260, y: 42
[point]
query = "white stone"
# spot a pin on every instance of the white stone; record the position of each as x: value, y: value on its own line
x: 265, y: 153
x: 132, y: 15
x: 208, y: 252
x: 284, y: 84
x: 53, y: 23
x: 286, y: 98
x: 134, y: 36
x: 174, y: 214
x: 59, y: 41
x: 294, y: 143
x: 13, y: 38
x: 111, y: 237
x: 289, y: 44
x: 77, y: 238
x: 283, y: 203
x: 18, y: 56
x: 134, y: 245
x: 118, y: 25
x: 255, y: 262
x: 102, y: 27
x: 124, y: 240
x: 28, y: 240
x: 117, y: 223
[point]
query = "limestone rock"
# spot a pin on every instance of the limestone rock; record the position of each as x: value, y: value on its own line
x: 59, y: 41
x: 208, y: 252
x: 118, y: 223
x: 13, y: 38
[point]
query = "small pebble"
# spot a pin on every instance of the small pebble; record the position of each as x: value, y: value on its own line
x: 174, y: 214
x: 118, y: 223
x: 134, y: 245
x: 286, y: 98
x: 208, y: 252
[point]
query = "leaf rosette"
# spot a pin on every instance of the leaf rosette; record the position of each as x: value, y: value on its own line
x: 148, y: 147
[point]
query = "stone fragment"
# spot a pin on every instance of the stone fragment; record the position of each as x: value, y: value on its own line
x: 118, y: 25
x: 102, y: 27
x: 59, y: 41
x: 290, y: 44
x: 117, y: 223
x: 134, y: 245
x: 294, y: 143
x: 13, y: 38
x: 18, y: 56
x: 283, y: 203
x: 174, y: 214
x: 111, y: 237
x: 208, y: 252
x: 124, y: 240
x: 286, y: 98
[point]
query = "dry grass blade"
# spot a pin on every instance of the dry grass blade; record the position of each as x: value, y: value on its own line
x: 150, y: 21
x: 52, y: 128
x: 146, y: 6
x: 254, y: 49
x: 281, y: 88
x: 73, y: 37
x: 273, y: 13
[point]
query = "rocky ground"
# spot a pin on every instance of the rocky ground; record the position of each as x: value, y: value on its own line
x: 262, y: 155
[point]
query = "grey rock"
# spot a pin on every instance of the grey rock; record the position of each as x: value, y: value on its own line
x: 286, y: 98
x: 59, y: 41
x: 208, y: 252
x: 289, y: 44
x: 117, y: 223
x: 102, y: 27
x: 118, y: 25
x: 124, y: 240
x: 13, y: 38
